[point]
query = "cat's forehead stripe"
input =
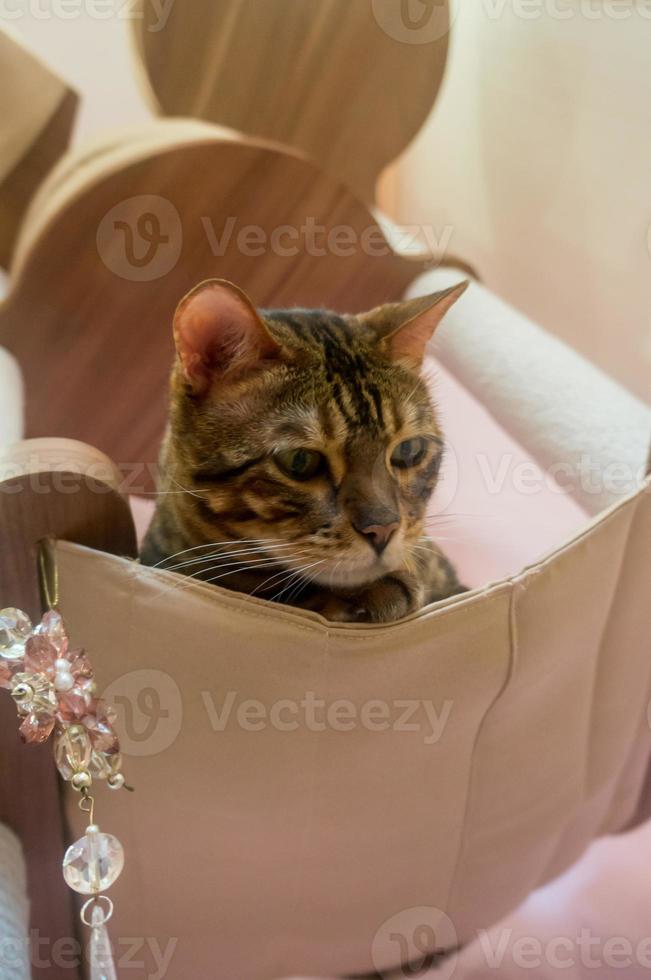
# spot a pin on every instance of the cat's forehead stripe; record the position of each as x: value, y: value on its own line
x: 354, y: 399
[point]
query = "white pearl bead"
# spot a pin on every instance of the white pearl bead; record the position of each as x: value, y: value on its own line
x: 81, y: 780
x: 61, y: 665
x: 116, y: 781
x: 63, y: 680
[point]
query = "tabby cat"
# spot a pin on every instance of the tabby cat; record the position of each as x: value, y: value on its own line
x: 301, y: 452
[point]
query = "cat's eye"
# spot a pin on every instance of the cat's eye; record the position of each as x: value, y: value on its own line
x: 300, y: 464
x: 409, y: 453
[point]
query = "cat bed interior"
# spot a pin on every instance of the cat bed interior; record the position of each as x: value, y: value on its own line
x: 526, y: 680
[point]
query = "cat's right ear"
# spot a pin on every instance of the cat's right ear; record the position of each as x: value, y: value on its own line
x: 219, y: 334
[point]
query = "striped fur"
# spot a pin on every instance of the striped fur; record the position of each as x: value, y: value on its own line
x: 334, y: 384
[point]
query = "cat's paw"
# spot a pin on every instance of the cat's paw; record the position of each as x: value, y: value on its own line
x: 382, y: 602
x: 341, y: 609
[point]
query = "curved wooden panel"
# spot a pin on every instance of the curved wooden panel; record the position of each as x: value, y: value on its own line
x: 37, y: 112
x: 113, y: 242
x: 349, y: 82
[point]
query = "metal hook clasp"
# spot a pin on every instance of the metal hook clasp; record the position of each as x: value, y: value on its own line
x: 87, y: 804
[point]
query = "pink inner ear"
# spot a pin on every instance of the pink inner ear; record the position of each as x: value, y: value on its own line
x: 217, y: 331
x: 410, y: 342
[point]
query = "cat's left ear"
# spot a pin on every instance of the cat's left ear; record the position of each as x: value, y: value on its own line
x: 406, y: 328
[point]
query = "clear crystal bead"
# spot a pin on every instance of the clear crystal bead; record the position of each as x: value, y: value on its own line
x: 43, y: 697
x: 102, y: 766
x: 15, y: 627
x: 72, y: 751
x: 93, y: 863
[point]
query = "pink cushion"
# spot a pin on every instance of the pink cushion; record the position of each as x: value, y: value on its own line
x: 494, y: 511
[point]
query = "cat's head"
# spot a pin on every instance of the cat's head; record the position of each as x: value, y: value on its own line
x: 305, y: 429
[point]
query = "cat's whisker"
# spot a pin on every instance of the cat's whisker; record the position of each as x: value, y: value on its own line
x: 441, y: 537
x: 162, y: 493
x: 186, y: 581
x: 237, y: 553
x: 291, y: 589
x: 248, y: 565
x: 219, y: 544
x: 458, y: 515
x: 302, y: 582
x: 193, y: 493
x: 265, y: 584
x: 303, y: 579
x: 284, y: 572
x: 298, y: 588
x: 334, y: 572
x: 231, y: 572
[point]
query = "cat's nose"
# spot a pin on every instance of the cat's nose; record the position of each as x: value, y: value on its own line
x: 379, y: 535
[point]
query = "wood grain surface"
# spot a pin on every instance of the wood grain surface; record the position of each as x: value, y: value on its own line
x: 349, y: 82
x: 23, y: 180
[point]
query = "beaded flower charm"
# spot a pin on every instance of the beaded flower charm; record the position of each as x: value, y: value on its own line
x: 54, y: 690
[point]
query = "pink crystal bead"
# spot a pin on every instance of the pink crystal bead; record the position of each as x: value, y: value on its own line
x: 73, y: 705
x: 94, y: 862
x: 5, y: 675
x: 40, y: 655
x: 102, y: 735
x: 80, y: 666
x: 52, y: 627
x: 99, y: 722
x: 36, y: 727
